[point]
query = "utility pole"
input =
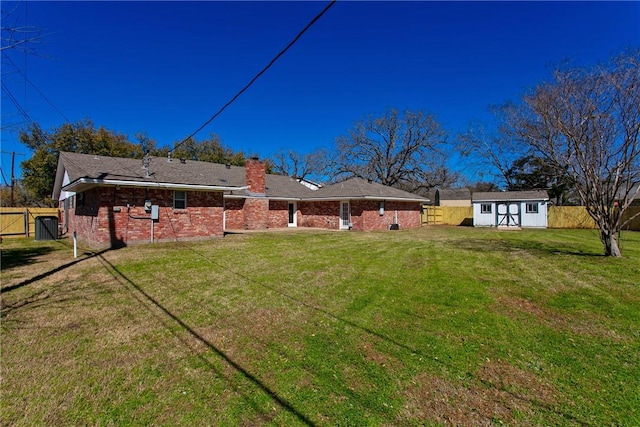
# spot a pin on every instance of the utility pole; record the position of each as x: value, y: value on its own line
x: 13, y: 178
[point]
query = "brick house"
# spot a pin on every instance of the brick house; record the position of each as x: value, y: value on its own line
x: 110, y: 201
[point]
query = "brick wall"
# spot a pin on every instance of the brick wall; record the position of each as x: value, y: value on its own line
x: 252, y: 214
x: 365, y: 214
x: 278, y: 214
x: 234, y: 214
x: 319, y: 214
x: 256, y: 213
x: 273, y: 215
x: 102, y: 219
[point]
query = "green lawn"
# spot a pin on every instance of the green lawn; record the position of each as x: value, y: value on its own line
x: 437, y: 326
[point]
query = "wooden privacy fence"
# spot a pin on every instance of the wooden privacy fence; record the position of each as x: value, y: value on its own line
x: 569, y: 217
x: 447, y: 215
x: 557, y: 216
x: 634, y: 224
x: 20, y: 222
x: 577, y: 217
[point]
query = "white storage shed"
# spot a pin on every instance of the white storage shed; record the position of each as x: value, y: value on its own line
x: 510, y: 209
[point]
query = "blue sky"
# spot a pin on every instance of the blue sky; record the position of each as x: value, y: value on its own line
x: 165, y: 67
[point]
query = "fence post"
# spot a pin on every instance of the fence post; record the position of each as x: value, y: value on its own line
x: 26, y: 222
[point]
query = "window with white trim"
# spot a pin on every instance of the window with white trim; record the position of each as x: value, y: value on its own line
x: 531, y: 208
x: 179, y: 199
x: 485, y: 208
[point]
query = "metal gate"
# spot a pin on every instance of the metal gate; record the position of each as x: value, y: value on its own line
x: 508, y: 214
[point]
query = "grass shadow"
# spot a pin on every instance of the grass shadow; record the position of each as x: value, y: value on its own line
x: 283, y: 402
x: 41, y: 276
x: 15, y: 257
x: 514, y: 246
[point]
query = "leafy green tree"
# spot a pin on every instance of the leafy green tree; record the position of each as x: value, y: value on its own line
x: 38, y: 172
x: 209, y: 150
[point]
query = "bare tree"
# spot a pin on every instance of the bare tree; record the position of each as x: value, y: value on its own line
x: 301, y: 166
x: 587, y: 121
x: 398, y: 150
x: 490, y: 151
x: 16, y: 36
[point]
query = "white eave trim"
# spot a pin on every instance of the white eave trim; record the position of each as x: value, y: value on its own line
x: 338, y: 198
x: 147, y: 184
x: 245, y: 196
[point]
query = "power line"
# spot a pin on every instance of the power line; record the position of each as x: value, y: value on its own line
x: 13, y: 179
x: 37, y: 90
x: 16, y: 103
x: 6, y: 183
x: 257, y: 76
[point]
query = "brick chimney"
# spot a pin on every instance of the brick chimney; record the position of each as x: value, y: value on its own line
x: 256, y: 176
x: 256, y: 206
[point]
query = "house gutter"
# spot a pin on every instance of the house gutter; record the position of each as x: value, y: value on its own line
x: 334, y: 198
x: 241, y: 196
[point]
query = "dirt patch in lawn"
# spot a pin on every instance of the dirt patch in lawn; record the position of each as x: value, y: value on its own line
x: 514, y: 307
x: 499, y: 393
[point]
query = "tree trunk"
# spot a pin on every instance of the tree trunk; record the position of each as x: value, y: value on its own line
x: 610, y: 242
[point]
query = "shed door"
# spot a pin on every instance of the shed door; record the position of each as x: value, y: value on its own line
x: 508, y: 214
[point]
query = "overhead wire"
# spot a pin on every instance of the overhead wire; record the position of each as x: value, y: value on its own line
x: 16, y: 103
x: 6, y: 183
x: 257, y: 76
x: 36, y: 88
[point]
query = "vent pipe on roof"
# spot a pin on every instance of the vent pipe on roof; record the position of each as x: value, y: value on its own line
x: 228, y: 165
x: 169, y: 157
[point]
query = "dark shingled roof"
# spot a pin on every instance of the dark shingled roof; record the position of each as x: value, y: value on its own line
x: 454, y: 193
x: 88, y: 170
x: 497, y: 196
x: 190, y: 173
x: 357, y: 188
x: 279, y: 187
x: 161, y: 170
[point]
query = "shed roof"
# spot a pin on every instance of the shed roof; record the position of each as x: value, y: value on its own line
x: 499, y: 196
